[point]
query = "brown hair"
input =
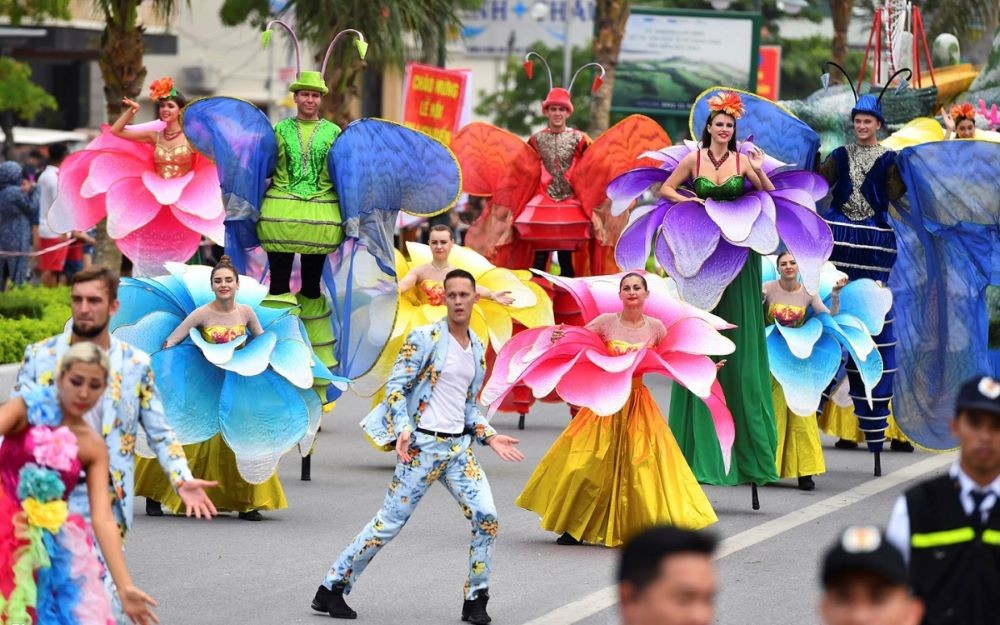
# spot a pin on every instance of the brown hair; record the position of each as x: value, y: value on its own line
x: 178, y: 99
x: 633, y: 274
x: 777, y: 261
x: 224, y: 263
x: 443, y: 228
x: 98, y: 273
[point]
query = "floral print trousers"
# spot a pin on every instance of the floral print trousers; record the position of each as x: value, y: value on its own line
x: 450, y: 461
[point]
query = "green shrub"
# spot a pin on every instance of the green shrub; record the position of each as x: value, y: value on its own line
x: 29, y: 314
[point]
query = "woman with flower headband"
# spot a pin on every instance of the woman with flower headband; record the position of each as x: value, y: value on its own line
x: 960, y: 123
x: 49, y: 570
x: 153, y: 219
x: 717, y: 171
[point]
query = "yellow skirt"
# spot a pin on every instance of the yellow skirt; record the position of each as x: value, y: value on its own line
x: 607, y: 478
x: 211, y: 460
x: 800, y: 452
x: 839, y: 421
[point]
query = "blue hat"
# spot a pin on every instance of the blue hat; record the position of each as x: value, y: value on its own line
x: 980, y: 393
x: 868, y: 104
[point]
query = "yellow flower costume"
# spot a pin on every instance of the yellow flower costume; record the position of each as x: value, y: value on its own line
x: 492, y: 322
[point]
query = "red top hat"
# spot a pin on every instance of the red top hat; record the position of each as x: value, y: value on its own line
x: 560, y: 97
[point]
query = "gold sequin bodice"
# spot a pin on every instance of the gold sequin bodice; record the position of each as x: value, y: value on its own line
x: 171, y: 162
x: 557, y: 150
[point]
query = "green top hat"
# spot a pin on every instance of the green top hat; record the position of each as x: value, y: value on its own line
x: 309, y: 81
x: 313, y: 81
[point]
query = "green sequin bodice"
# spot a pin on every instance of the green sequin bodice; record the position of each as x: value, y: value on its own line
x: 730, y: 189
x: 302, y: 150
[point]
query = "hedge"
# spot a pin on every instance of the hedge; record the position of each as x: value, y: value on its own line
x: 29, y: 314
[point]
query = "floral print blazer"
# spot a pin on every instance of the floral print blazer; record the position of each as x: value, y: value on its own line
x: 408, y: 391
x: 131, y: 400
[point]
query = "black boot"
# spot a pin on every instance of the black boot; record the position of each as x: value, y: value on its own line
x: 253, y: 515
x: 153, y: 507
x: 845, y: 444
x: 806, y: 483
x: 332, y: 602
x: 474, y: 610
x: 566, y: 539
x: 897, y: 445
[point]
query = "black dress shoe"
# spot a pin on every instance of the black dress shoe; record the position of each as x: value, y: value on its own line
x: 153, y: 507
x: 806, y: 483
x: 566, y: 539
x: 906, y: 446
x: 253, y: 515
x: 845, y: 444
x: 474, y: 610
x: 332, y: 602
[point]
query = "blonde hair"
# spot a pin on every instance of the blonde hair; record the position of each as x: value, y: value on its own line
x: 86, y: 353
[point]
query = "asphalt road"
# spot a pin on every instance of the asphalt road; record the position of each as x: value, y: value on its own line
x: 231, y: 571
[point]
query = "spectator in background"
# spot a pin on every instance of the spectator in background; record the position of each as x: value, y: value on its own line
x: 18, y: 216
x: 51, y: 263
x: 666, y: 577
x: 864, y: 582
x: 948, y: 527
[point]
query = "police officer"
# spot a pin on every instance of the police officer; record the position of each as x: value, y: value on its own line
x: 864, y: 582
x: 948, y: 528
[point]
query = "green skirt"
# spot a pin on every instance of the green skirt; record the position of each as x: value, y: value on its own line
x: 291, y: 224
x: 746, y: 381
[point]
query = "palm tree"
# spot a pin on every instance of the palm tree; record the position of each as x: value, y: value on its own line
x: 386, y: 23
x: 123, y: 71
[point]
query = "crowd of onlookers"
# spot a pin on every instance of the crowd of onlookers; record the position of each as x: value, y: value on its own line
x: 30, y: 251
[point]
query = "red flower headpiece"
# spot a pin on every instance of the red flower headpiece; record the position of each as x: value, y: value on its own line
x: 727, y: 102
x: 162, y: 88
x: 963, y: 111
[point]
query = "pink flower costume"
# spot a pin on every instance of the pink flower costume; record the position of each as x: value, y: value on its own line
x: 616, y: 468
x: 159, y: 201
x: 49, y: 571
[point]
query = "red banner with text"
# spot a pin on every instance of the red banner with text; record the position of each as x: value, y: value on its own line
x: 432, y: 100
x: 769, y: 72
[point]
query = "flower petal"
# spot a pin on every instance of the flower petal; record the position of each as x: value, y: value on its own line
x: 213, y: 228
x: 803, y: 381
x: 625, y: 188
x: 72, y: 211
x: 633, y: 247
x: 130, y: 207
x: 254, y: 357
x: 807, y: 237
x: 801, y: 340
x: 692, y: 236
x: 735, y: 217
x: 695, y: 336
x: 166, y: 190
x: 161, y: 240
x: 202, y: 197
x: 109, y: 167
x: 705, y: 289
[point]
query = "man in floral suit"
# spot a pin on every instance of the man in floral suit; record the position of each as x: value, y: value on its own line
x: 131, y: 400
x: 431, y: 416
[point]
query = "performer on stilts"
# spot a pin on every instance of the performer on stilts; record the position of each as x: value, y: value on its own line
x: 863, y: 179
x: 708, y: 237
x: 549, y: 193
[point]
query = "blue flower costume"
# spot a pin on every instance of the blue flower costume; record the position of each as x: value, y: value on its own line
x: 251, y: 400
x: 49, y: 570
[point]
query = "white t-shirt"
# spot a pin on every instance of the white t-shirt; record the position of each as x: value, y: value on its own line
x: 446, y: 410
x: 48, y: 186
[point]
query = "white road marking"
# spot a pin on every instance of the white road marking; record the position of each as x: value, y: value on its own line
x: 607, y: 597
